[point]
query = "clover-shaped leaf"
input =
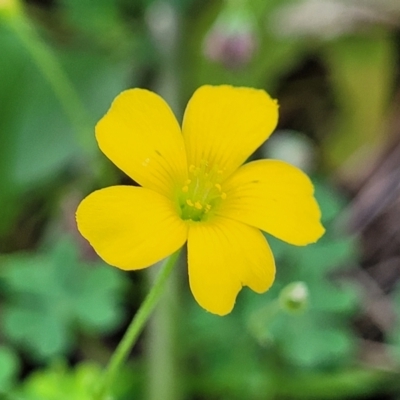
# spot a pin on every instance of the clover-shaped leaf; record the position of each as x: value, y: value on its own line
x: 53, y: 294
x: 279, y: 345
x: 80, y: 382
x: 60, y: 383
x: 318, y: 336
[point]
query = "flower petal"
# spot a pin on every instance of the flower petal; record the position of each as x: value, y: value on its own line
x: 224, y: 125
x: 141, y: 136
x: 223, y: 256
x: 276, y: 197
x: 130, y: 227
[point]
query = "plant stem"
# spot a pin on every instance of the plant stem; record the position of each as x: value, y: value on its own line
x: 164, y: 374
x: 136, y: 326
x: 162, y: 345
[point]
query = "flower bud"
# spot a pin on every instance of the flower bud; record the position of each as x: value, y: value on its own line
x: 294, y: 297
x: 232, y: 39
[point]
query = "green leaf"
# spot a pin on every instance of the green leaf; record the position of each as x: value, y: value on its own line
x: 9, y: 367
x: 326, y: 254
x: 59, y: 383
x: 313, y: 340
x: 394, y: 333
x: 276, y: 345
x: 330, y: 201
x: 53, y: 294
x: 38, y: 140
x: 320, y: 335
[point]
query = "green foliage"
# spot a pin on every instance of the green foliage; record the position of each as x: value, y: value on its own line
x: 281, y: 350
x: 54, y: 132
x: 363, y: 72
x: 394, y: 334
x: 51, y: 296
x: 57, y: 81
x: 59, y: 383
x: 294, y: 297
x: 274, y: 56
x: 320, y: 336
x: 9, y: 367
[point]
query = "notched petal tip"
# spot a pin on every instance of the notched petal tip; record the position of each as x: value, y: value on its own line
x: 224, y: 256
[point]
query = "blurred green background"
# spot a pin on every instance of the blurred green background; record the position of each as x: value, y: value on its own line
x: 330, y: 326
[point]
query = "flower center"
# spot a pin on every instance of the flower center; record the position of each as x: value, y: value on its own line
x: 201, y: 193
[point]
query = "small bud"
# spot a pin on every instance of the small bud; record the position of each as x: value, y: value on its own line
x: 294, y: 297
x: 232, y: 39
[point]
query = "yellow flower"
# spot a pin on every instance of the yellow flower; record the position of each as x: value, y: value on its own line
x: 194, y: 189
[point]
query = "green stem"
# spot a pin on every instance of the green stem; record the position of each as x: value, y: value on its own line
x: 63, y: 88
x: 163, y: 379
x: 136, y: 326
x: 164, y: 373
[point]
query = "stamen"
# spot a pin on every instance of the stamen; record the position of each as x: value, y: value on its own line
x: 202, y: 192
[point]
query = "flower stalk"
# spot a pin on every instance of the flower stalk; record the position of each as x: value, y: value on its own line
x: 136, y: 326
x: 163, y: 374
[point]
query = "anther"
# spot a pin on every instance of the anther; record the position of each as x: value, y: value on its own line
x: 198, y: 205
x: 223, y: 196
x: 218, y: 186
x: 185, y: 189
x: 189, y: 203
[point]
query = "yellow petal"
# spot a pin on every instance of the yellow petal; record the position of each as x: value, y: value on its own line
x: 275, y: 197
x: 223, y: 256
x: 130, y: 227
x: 141, y: 136
x: 223, y: 125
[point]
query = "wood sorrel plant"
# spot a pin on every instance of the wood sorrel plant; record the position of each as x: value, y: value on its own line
x: 194, y: 189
